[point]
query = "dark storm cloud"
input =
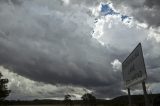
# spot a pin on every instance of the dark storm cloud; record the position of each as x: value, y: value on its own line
x: 53, y: 46
x: 106, y: 90
x: 145, y: 11
x: 16, y: 2
x: 153, y: 17
x: 112, y: 89
x: 152, y: 3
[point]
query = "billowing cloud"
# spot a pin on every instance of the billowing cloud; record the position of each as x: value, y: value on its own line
x: 42, y: 42
x: 49, y: 43
x: 116, y: 65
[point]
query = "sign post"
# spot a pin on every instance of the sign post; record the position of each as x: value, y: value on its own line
x: 145, y: 94
x: 129, y: 97
x: 134, y: 71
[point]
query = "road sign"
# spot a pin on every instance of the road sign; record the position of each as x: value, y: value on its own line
x: 133, y: 67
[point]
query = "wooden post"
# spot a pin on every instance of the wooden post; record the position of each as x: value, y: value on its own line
x: 145, y: 93
x: 129, y: 97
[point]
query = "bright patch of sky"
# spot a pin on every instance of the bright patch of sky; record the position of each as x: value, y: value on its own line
x: 110, y: 23
x: 107, y: 9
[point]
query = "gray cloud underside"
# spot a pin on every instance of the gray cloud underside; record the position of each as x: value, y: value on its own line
x: 53, y: 46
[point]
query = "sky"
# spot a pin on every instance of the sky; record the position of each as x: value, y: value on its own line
x: 49, y: 48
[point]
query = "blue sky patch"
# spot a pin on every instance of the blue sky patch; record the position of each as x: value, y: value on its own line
x: 123, y: 17
x: 106, y: 9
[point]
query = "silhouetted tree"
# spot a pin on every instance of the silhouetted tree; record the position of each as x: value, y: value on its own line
x: 89, y: 99
x: 67, y: 100
x: 4, y: 92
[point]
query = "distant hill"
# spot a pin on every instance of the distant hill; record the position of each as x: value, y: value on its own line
x: 136, y: 99
x: 118, y: 101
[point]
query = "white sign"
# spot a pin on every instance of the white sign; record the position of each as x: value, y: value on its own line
x: 133, y: 67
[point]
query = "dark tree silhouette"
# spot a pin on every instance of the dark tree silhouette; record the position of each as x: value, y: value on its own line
x: 67, y: 100
x: 4, y: 92
x: 89, y: 99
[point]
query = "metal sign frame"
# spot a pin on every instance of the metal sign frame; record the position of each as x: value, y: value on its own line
x: 133, y: 68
